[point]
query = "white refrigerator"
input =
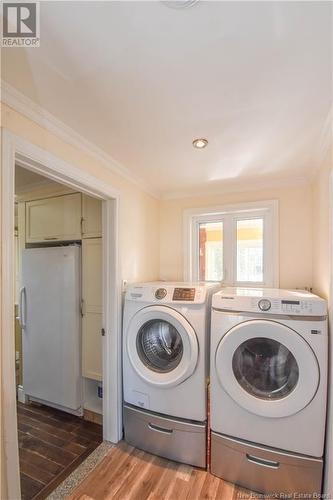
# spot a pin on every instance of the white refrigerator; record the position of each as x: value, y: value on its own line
x: 51, y: 323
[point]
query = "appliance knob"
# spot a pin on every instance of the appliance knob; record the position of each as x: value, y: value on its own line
x: 264, y: 304
x: 160, y: 293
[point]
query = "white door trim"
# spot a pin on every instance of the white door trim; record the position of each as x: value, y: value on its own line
x: 328, y: 472
x: 17, y: 150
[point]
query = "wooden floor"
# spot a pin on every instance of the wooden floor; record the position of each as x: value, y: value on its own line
x: 51, y: 444
x: 127, y: 473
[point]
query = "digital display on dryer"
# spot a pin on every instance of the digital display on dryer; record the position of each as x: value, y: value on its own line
x: 292, y: 302
x: 186, y: 294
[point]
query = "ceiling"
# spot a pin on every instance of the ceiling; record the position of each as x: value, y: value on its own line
x: 25, y: 180
x: 141, y: 80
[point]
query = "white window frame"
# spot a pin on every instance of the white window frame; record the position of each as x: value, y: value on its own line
x: 266, y: 210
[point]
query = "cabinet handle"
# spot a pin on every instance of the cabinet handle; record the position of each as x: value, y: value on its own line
x: 23, y: 308
x: 157, y: 428
x: 262, y: 462
x: 82, y: 308
x: 82, y: 228
x: 50, y: 239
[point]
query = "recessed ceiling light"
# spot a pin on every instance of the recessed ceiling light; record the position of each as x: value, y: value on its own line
x: 200, y: 143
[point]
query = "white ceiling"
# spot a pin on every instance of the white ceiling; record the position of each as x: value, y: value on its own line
x: 141, y: 81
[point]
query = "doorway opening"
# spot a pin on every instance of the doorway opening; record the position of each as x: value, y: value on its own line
x: 76, y: 186
x: 58, y: 325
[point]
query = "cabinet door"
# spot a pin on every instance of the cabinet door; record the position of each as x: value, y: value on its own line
x: 57, y: 218
x: 92, y: 308
x: 91, y: 217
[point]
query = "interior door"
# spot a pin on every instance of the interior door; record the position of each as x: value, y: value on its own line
x: 162, y: 346
x: 267, y: 368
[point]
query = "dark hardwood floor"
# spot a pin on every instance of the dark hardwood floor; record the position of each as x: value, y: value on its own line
x: 51, y: 445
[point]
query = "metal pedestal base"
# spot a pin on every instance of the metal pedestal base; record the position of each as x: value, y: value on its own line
x: 262, y: 469
x: 175, y: 439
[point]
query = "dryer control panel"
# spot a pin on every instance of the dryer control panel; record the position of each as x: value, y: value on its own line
x: 270, y: 301
x: 171, y: 293
x: 187, y: 294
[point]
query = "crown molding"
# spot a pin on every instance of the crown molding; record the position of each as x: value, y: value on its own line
x: 241, y: 187
x: 24, y: 105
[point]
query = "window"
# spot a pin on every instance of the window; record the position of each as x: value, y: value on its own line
x: 250, y: 250
x: 211, y: 251
x: 236, y: 245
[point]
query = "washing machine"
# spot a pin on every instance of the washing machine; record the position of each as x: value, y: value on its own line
x: 269, y: 353
x: 165, y: 368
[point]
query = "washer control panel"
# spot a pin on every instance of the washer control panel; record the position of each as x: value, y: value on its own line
x: 283, y: 306
x: 270, y: 301
x: 296, y: 306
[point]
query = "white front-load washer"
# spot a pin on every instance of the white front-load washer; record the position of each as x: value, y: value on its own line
x: 269, y: 353
x: 165, y: 368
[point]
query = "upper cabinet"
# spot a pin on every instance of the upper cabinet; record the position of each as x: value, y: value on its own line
x: 51, y: 219
x: 91, y: 217
x: 63, y: 218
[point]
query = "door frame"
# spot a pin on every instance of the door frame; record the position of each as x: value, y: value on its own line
x: 18, y: 150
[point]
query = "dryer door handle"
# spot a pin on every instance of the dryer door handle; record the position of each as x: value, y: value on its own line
x: 159, y: 429
x: 263, y: 462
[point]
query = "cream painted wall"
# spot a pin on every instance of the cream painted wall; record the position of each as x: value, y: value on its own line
x: 138, y: 211
x: 320, y: 193
x: 295, y: 221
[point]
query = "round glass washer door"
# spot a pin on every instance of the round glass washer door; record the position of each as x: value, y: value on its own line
x: 162, y: 346
x: 159, y: 345
x: 267, y: 368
